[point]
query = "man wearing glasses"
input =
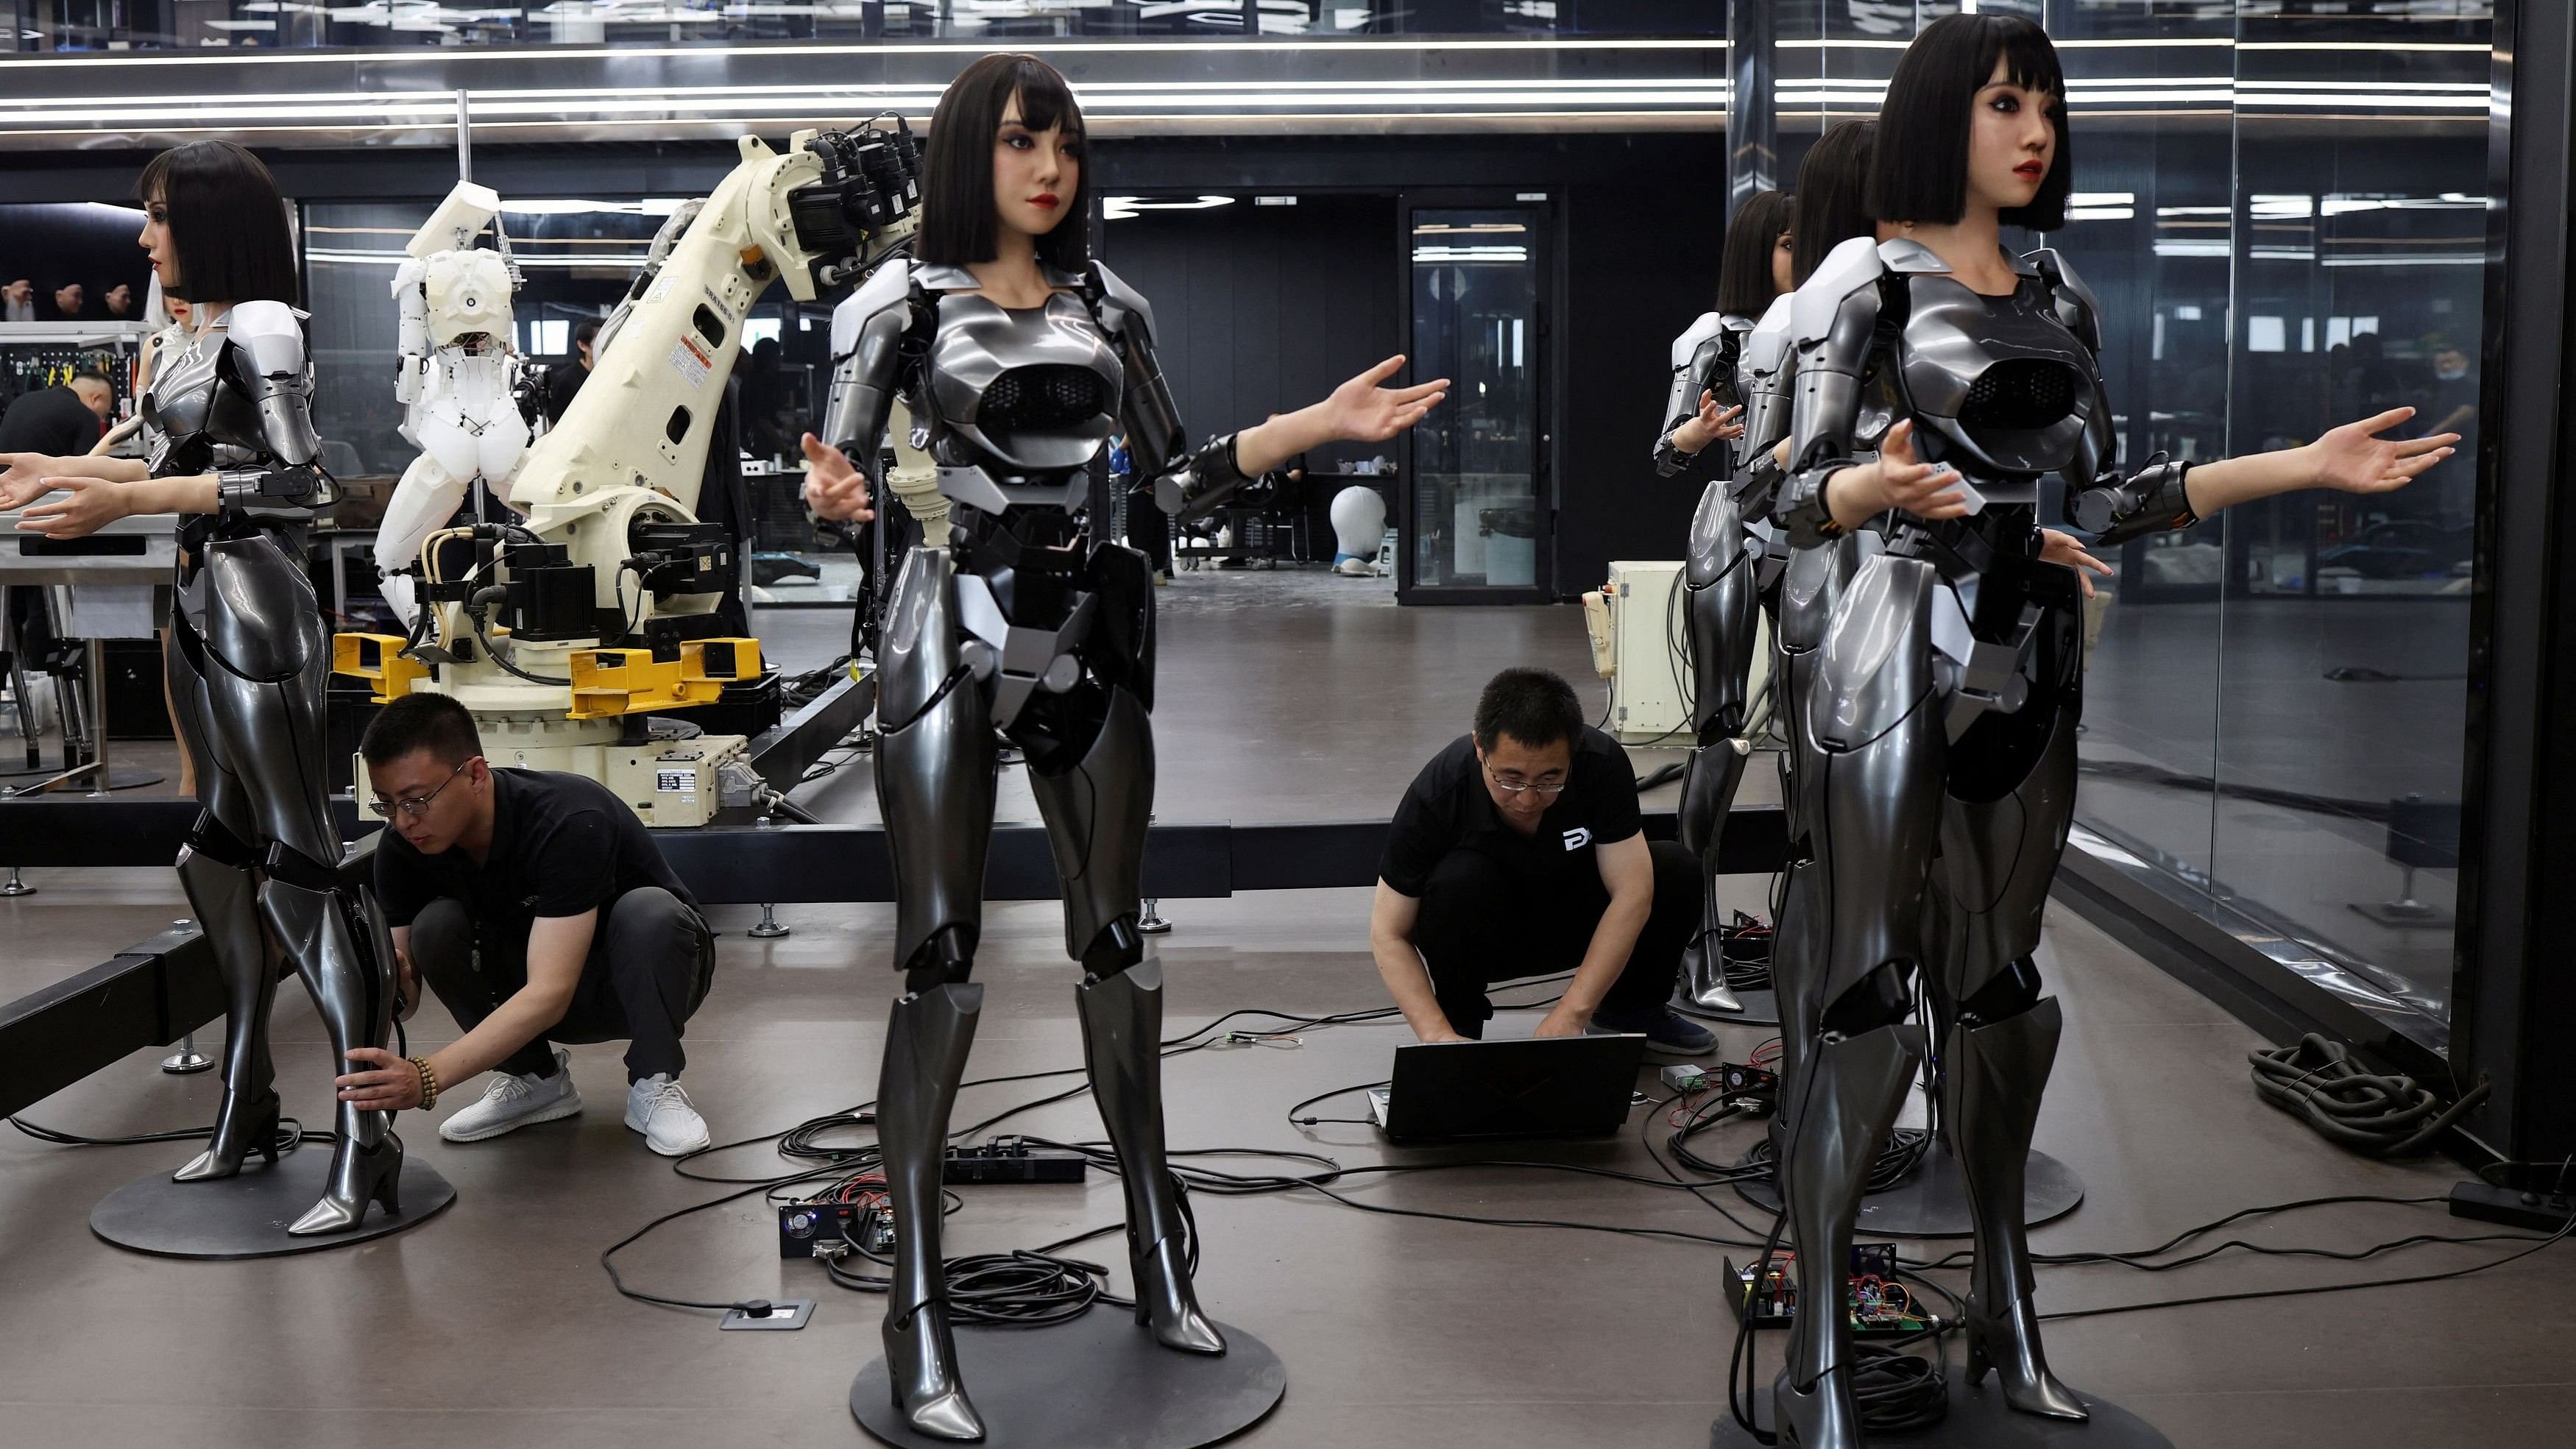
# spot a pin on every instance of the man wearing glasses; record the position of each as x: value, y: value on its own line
x: 1519, y: 851
x: 537, y: 907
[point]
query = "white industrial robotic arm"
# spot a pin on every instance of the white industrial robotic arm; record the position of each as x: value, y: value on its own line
x: 611, y: 552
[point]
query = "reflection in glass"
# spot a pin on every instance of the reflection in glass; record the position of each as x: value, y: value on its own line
x: 383, y: 24
x: 1476, y: 514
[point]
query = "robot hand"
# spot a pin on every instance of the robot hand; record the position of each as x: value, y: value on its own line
x: 834, y: 486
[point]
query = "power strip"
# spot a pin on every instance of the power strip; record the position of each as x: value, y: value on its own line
x: 1010, y: 1160
x: 2545, y: 1212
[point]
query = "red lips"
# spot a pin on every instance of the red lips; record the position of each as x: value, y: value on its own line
x: 1046, y: 199
x: 2031, y: 169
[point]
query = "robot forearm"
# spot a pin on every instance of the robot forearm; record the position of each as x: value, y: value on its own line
x: 1199, y: 484
x: 2150, y: 501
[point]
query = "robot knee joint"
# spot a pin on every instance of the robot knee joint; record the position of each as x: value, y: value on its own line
x: 946, y: 959
x: 2007, y: 993
x: 1117, y: 947
x: 1877, y: 999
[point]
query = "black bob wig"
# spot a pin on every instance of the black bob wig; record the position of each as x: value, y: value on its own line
x: 957, y: 221
x: 1921, y: 171
x: 227, y: 223
x: 1744, y: 264
x: 1833, y: 178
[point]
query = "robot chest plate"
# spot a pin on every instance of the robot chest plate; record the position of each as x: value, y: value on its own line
x: 1034, y: 388
x: 2001, y: 381
x: 202, y: 421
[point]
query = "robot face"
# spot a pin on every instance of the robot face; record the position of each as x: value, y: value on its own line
x: 469, y: 292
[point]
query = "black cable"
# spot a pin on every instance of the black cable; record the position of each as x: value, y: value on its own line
x: 495, y: 655
x: 2318, y: 1082
x: 2536, y: 1246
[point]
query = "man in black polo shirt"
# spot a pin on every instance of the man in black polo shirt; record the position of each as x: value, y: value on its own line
x: 536, y: 906
x: 1519, y: 851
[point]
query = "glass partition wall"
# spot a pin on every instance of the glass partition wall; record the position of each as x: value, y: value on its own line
x: 78, y: 25
x: 2280, y: 207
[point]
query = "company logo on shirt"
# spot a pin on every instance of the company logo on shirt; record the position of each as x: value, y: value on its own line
x: 1577, y: 838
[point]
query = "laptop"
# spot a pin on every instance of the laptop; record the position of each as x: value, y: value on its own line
x: 1565, y: 1086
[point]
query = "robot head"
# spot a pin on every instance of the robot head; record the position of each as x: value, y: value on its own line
x: 469, y: 292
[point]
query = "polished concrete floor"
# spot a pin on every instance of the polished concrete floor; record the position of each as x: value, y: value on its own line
x: 494, y: 1322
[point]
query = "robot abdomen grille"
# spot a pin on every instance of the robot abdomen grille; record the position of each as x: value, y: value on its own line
x: 2020, y: 393
x: 1046, y: 397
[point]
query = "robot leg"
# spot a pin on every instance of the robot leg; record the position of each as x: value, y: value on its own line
x: 1998, y: 856
x: 1723, y: 608
x: 935, y: 790
x: 1095, y: 817
x: 1871, y: 720
x: 263, y: 692
x: 423, y: 501
x: 215, y: 870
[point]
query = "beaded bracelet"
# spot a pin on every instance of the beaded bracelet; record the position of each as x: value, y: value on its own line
x: 428, y: 1083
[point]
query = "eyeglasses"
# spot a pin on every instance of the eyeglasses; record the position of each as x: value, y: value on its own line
x: 418, y: 805
x: 1551, y: 785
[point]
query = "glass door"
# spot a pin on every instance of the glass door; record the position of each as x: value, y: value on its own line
x: 1477, y: 521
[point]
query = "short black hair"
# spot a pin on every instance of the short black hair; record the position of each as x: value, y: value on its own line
x: 90, y: 372
x: 1921, y: 173
x: 227, y: 223
x: 1744, y: 264
x: 957, y: 221
x: 588, y: 331
x: 1832, y: 180
x: 420, y: 721
x: 1534, y: 706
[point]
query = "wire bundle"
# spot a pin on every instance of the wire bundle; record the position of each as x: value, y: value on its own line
x: 2318, y: 1082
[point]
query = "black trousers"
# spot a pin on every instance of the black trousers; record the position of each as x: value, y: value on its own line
x: 1149, y: 528
x: 651, y: 961
x: 1482, y: 922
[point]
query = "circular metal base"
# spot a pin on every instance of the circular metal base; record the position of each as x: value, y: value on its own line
x: 13, y: 887
x: 1979, y: 1419
x: 1932, y: 1201
x: 246, y: 1216
x: 1099, y: 1382
x: 769, y: 931
x: 187, y: 1063
x: 1761, y: 1008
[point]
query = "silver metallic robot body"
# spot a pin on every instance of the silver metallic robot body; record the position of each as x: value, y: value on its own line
x: 1936, y: 738
x: 249, y: 657
x: 1720, y: 598
x: 1020, y: 623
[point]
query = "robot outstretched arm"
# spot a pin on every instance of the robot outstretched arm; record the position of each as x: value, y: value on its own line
x: 2115, y: 509
x: 1833, y: 325
x: 1186, y: 484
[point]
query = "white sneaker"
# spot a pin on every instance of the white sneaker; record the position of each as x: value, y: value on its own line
x: 513, y: 1102
x: 659, y: 1108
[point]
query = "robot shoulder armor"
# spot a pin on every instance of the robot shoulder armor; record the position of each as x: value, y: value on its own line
x: 1846, y: 269
x: 1687, y: 346
x: 1768, y: 342
x: 271, y: 332
x: 890, y: 285
x: 2076, y: 304
x: 1119, y: 300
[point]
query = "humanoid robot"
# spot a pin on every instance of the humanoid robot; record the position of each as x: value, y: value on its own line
x: 1019, y: 623
x: 1723, y: 574
x: 460, y: 384
x: 248, y: 659
x: 1939, y: 714
x: 1025, y: 625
